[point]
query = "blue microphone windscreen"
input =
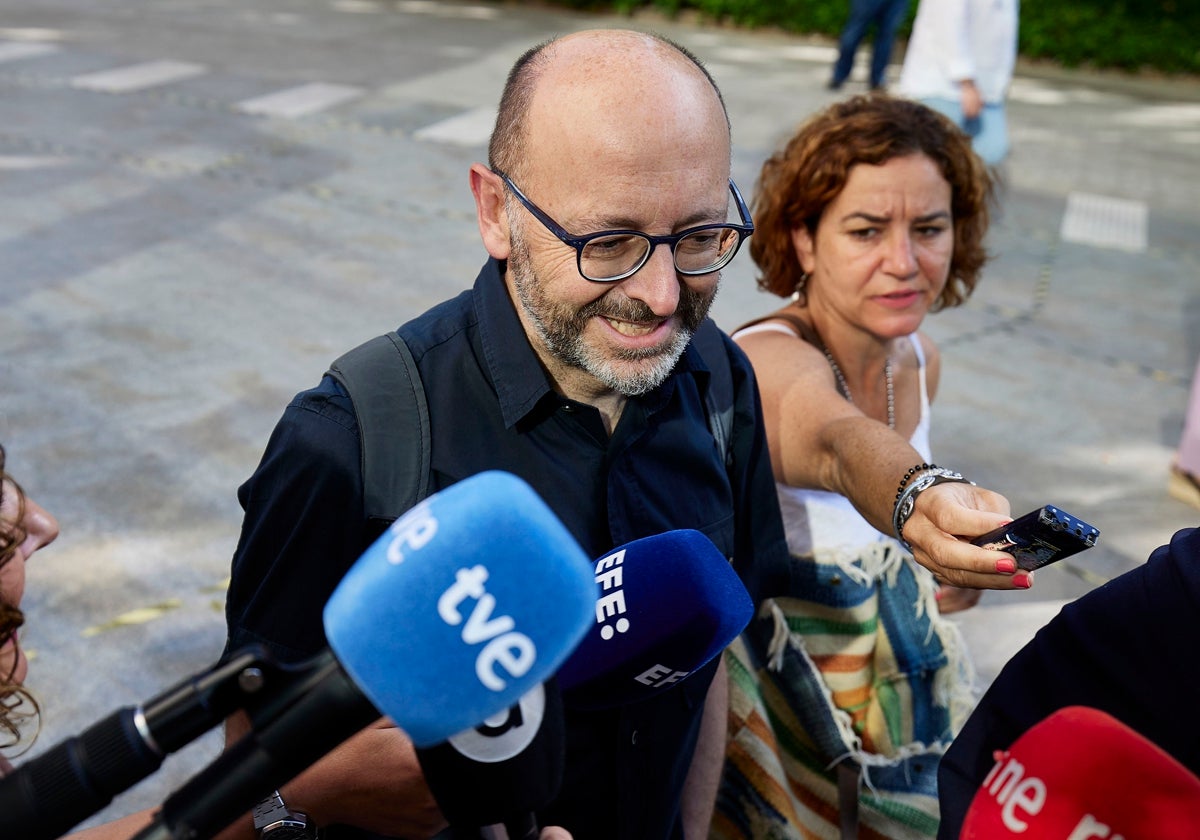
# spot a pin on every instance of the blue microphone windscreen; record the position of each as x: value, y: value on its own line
x: 667, y: 604
x: 468, y: 601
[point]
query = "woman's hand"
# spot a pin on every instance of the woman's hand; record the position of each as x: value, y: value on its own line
x: 944, y: 519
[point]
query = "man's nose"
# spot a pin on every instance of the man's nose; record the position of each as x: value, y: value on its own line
x: 656, y: 283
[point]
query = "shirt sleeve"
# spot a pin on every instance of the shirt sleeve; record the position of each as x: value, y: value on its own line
x: 303, y: 528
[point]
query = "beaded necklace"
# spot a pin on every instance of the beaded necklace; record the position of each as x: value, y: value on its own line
x: 887, y: 378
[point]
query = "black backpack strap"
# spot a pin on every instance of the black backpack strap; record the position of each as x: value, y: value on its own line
x: 389, y: 402
x: 393, y: 421
x: 719, y: 401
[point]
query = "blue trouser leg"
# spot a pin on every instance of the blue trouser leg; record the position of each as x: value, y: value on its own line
x: 890, y: 16
x: 988, y: 133
x: 862, y: 12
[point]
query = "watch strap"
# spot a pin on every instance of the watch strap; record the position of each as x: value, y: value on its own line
x: 272, y: 818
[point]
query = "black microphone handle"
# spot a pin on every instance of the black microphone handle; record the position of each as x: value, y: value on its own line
x: 518, y: 827
x: 51, y: 794
x: 522, y: 827
x: 330, y: 709
x: 48, y: 795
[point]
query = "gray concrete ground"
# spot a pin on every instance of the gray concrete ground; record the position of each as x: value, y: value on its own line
x: 183, y: 249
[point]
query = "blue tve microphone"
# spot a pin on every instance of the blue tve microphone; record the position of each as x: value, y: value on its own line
x: 671, y: 603
x: 474, y: 600
x: 667, y: 605
x: 466, y: 603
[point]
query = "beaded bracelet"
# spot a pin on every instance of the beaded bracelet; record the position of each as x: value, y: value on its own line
x: 906, y: 500
x: 911, y: 472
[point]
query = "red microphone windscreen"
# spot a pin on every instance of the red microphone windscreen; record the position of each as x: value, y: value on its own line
x: 1081, y: 773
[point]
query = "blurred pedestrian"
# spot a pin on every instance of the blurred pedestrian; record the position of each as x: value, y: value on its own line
x: 959, y: 60
x: 886, y: 16
x: 869, y: 218
x: 1184, y: 481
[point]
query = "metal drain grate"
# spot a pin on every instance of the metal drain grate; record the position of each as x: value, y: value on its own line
x: 1105, y: 222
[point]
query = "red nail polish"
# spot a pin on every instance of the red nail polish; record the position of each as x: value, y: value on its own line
x: 1023, y: 581
x: 1006, y: 567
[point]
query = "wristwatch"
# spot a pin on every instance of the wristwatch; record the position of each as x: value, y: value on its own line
x: 273, y: 820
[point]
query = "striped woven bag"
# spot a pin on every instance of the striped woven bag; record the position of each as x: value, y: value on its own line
x: 854, y: 679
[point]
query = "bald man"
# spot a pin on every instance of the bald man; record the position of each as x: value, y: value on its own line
x: 607, y: 212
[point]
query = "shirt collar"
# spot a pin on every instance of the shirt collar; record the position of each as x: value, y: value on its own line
x: 515, y: 370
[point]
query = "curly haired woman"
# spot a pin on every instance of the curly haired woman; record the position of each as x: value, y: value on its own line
x: 846, y: 690
x: 25, y: 527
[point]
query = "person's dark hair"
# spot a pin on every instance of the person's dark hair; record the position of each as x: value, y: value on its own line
x: 808, y: 173
x: 17, y: 705
x: 504, y: 148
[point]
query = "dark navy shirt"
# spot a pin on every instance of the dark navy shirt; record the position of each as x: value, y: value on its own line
x: 492, y: 406
x: 1127, y: 648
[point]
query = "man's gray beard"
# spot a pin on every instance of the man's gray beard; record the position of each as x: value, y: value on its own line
x: 561, y: 329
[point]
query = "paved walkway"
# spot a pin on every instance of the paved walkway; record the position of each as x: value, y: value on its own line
x: 205, y: 202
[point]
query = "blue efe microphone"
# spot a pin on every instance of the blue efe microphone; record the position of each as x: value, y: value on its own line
x: 667, y: 604
x: 467, y: 602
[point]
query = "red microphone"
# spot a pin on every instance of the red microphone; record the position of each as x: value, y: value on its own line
x: 1082, y: 773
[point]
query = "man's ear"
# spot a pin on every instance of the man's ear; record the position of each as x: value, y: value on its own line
x: 805, y: 247
x: 488, y: 190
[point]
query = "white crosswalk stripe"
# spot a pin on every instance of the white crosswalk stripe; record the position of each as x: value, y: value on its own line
x: 300, y: 101
x: 138, y: 76
x: 470, y: 128
x: 13, y: 163
x: 16, y: 50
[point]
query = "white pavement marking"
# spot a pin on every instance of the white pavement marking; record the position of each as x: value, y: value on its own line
x: 810, y: 52
x: 427, y: 7
x: 358, y: 7
x: 1161, y: 116
x: 16, y: 50
x: 18, y: 162
x: 471, y: 128
x: 31, y: 33
x: 138, y: 76
x: 1106, y: 222
x: 771, y: 55
x: 300, y: 101
x: 1036, y: 93
x: 464, y: 86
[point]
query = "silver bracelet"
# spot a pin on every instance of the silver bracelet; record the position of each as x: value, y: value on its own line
x: 908, y: 498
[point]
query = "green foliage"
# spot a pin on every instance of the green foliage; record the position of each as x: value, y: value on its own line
x: 1126, y: 34
x: 1162, y: 35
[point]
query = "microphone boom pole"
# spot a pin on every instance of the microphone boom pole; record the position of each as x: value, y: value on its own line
x: 47, y: 796
x: 266, y: 758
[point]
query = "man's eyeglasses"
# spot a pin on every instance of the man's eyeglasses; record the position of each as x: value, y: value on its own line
x: 612, y: 255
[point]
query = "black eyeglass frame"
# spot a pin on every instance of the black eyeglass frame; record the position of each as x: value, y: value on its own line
x: 745, y: 229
